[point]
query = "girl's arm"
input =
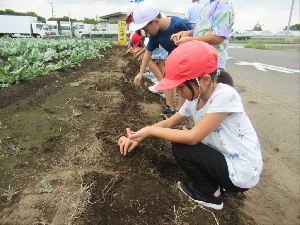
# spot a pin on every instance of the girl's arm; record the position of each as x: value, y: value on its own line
x: 209, y: 38
x: 127, y: 145
x: 205, y: 126
x: 181, y: 34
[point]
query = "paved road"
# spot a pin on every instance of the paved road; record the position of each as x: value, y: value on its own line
x: 268, y: 81
x: 269, y: 78
x: 274, y: 72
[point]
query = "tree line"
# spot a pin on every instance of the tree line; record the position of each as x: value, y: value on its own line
x: 42, y: 19
x: 294, y: 27
x: 257, y: 27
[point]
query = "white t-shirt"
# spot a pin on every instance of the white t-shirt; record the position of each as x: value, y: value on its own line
x: 130, y: 29
x: 131, y: 35
x: 235, y: 136
x: 193, y: 12
x: 146, y: 41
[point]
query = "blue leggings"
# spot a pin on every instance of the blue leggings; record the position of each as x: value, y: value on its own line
x: 205, y: 166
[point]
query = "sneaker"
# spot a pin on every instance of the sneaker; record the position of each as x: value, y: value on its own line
x: 153, y: 79
x: 152, y: 88
x: 169, y: 114
x: 150, y: 76
x: 162, y: 94
x: 146, y: 74
x: 165, y: 109
x: 196, y: 195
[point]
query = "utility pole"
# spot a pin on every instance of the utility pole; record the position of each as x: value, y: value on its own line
x: 289, y: 23
x: 69, y: 17
x: 52, y: 9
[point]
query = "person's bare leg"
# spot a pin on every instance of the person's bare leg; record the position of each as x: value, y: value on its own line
x: 170, y: 98
x: 153, y: 67
x: 161, y: 66
x: 180, y: 102
x: 169, y: 93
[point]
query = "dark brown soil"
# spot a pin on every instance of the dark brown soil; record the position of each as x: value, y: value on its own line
x: 43, y: 139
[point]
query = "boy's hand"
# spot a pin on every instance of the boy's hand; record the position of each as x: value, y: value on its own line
x: 137, y: 80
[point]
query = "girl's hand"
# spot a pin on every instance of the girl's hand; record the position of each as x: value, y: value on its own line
x: 129, y: 50
x: 176, y: 37
x: 129, y: 132
x: 140, y: 135
x: 138, y: 56
x: 135, y: 50
x: 137, y: 80
x: 182, y: 40
x: 126, y: 145
x: 141, y: 57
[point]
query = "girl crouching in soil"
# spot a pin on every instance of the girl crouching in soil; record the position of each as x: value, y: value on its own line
x: 222, y: 150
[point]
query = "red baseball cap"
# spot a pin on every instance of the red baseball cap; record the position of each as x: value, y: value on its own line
x: 189, y: 60
x: 128, y: 19
x: 136, y: 39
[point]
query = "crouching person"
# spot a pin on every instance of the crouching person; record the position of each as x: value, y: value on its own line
x: 222, y: 150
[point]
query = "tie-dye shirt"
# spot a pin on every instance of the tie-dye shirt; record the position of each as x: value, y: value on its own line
x: 234, y: 137
x: 216, y: 17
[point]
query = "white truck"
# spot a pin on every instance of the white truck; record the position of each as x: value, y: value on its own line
x: 109, y: 31
x: 82, y: 29
x: 66, y: 28
x: 53, y: 27
x: 22, y: 26
x: 74, y: 25
x: 241, y: 35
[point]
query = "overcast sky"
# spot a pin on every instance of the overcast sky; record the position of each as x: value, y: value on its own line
x: 271, y: 14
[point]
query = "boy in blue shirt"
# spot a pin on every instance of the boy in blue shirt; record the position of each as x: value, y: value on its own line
x: 146, y: 16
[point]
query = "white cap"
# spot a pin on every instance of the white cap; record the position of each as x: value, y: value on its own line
x: 130, y: 8
x: 144, y: 12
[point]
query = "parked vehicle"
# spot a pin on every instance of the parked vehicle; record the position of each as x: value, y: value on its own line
x: 80, y: 29
x: 74, y: 25
x: 66, y: 28
x: 53, y: 27
x: 109, y: 31
x: 241, y: 35
x: 22, y: 26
